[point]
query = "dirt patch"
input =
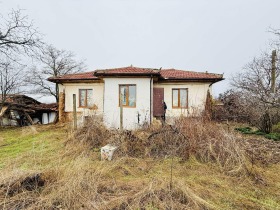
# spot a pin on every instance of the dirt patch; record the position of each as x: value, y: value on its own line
x: 262, y: 150
x: 28, y: 183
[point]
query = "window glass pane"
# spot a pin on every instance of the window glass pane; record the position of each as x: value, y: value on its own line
x: 175, y: 98
x: 89, y: 98
x: 82, y: 97
x: 183, y: 98
x: 132, y: 95
x: 123, y: 94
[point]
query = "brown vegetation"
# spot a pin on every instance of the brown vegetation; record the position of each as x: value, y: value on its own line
x: 152, y: 169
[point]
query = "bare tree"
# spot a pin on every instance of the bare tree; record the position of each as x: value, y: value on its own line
x: 18, y: 35
x: 11, y: 79
x: 18, y: 38
x: 54, y: 63
x: 259, y: 86
x: 256, y: 80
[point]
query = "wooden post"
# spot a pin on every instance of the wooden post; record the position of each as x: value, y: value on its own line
x: 273, y: 71
x: 28, y: 118
x: 61, y: 106
x: 121, y: 112
x: 74, y: 112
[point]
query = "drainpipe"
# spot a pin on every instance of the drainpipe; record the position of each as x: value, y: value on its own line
x: 210, y: 86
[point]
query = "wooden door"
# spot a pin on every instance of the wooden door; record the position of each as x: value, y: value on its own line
x: 158, y: 98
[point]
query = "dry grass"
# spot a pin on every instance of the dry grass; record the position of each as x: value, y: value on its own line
x: 210, y: 170
x: 206, y: 141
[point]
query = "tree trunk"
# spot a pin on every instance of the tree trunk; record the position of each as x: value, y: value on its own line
x: 57, y: 92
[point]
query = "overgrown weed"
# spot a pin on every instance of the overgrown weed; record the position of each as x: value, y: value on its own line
x: 188, y: 137
x: 201, y: 153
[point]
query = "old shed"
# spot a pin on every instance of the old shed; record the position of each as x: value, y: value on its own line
x: 22, y: 110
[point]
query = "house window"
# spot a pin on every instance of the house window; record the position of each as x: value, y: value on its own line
x: 85, y: 98
x: 180, y: 98
x: 127, y: 95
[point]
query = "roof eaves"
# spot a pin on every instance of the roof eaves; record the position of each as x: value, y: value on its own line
x: 191, y: 79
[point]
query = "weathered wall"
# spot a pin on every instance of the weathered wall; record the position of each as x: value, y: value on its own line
x: 73, y: 88
x: 109, y: 108
x: 111, y: 103
x: 197, y: 93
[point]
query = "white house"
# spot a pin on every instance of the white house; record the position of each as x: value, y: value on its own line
x: 141, y: 90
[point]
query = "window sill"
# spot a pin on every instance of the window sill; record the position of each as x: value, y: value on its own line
x: 128, y: 106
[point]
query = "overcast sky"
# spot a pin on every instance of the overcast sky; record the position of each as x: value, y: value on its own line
x: 201, y: 35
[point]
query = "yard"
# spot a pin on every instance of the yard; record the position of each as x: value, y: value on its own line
x: 52, y: 167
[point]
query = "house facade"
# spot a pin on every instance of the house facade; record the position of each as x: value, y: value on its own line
x: 140, y: 91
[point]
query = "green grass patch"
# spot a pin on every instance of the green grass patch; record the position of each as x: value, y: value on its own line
x: 273, y: 136
x: 37, y: 141
x: 249, y: 130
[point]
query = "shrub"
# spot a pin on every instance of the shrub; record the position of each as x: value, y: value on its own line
x: 248, y: 130
x: 245, y: 130
x: 273, y: 136
x: 206, y: 141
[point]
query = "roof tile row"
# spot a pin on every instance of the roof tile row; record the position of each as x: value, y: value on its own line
x: 165, y: 74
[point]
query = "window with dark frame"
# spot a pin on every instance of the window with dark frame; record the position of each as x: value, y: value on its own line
x: 85, y: 98
x: 127, y: 95
x: 180, y: 98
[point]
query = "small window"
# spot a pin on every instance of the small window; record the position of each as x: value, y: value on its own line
x: 180, y: 98
x: 85, y: 98
x: 127, y: 95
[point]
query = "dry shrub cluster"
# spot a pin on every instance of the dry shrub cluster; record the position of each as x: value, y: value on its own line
x: 205, y: 140
x: 210, y: 142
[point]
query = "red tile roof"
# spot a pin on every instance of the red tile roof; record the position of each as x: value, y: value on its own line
x: 130, y: 70
x: 78, y: 76
x: 163, y: 74
x: 181, y: 74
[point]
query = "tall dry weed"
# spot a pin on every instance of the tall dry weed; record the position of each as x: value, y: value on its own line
x: 84, y: 185
x: 210, y: 142
x: 80, y: 182
x: 205, y: 140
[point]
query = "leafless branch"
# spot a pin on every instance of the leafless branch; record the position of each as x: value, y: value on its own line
x: 11, y: 78
x: 18, y: 35
x: 53, y: 62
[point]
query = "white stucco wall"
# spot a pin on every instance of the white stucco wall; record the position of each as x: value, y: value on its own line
x: 73, y: 88
x: 106, y: 98
x: 130, y: 115
x: 197, y: 93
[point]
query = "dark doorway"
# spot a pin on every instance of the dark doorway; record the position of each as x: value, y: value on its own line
x: 158, y: 98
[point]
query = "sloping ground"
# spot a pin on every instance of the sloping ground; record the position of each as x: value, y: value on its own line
x: 42, y: 169
x: 262, y: 150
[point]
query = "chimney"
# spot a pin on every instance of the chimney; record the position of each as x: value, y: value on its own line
x: 273, y: 71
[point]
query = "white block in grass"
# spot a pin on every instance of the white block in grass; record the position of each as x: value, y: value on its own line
x: 107, y: 152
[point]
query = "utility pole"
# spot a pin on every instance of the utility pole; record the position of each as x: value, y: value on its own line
x: 273, y: 71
